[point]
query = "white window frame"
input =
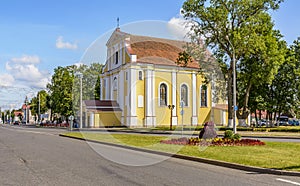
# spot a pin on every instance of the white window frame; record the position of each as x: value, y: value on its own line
x: 201, y: 96
x: 187, y: 92
x: 115, y: 83
x: 167, y: 94
x: 140, y: 75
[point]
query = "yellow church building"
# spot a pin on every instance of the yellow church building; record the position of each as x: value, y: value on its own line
x: 142, y: 86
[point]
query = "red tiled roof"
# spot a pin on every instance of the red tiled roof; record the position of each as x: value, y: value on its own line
x: 157, y: 51
x: 221, y: 106
x: 102, y: 105
x: 24, y: 106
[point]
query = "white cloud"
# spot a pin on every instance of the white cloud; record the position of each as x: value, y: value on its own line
x: 27, y: 59
x: 6, y: 80
x: 25, y: 72
x: 179, y: 27
x: 78, y: 64
x: 60, y: 44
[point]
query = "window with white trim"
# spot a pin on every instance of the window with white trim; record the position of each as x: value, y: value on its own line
x: 140, y: 75
x: 115, y: 83
x: 163, y: 94
x: 184, y: 94
x: 117, y: 57
x: 203, y: 98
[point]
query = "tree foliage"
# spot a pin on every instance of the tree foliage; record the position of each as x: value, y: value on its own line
x: 40, y: 103
x: 236, y: 29
x: 60, y: 89
x: 64, y: 88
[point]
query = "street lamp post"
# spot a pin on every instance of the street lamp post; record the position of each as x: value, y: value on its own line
x: 171, y: 107
x: 80, y: 75
x: 26, y: 103
x: 39, y: 116
x: 181, y: 113
x: 235, y: 108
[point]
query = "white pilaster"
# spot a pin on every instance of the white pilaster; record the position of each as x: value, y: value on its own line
x: 111, y: 91
x: 194, y: 100
x: 107, y: 88
x: 154, y: 98
x: 121, y: 94
x: 86, y: 117
x: 150, y: 99
x: 148, y: 108
x: 132, y: 118
x: 101, y: 88
x: 174, y: 100
x: 92, y: 120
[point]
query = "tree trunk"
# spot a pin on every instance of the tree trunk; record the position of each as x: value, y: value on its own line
x: 256, y: 120
x: 244, y: 111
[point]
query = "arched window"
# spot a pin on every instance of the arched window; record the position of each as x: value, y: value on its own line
x: 115, y: 83
x: 117, y: 57
x: 140, y: 75
x: 184, y: 94
x: 203, y: 96
x: 163, y: 94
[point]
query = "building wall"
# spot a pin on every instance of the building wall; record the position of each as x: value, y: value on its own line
x: 140, y: 99
x: 184, y: 78
x: 203, y: 113
x: 103, y: 119
x: 162, y: 112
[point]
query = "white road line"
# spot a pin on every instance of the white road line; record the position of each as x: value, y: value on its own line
x: 29, y: 131
x: 288, y: 181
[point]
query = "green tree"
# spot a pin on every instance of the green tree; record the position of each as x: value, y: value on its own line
x: 285, y: 86
x: 90, y: 83
x: 60, y: 90
x: 231, y: 28
x: 257, y: 70
x: 97, y: 89
x: 40, y: 102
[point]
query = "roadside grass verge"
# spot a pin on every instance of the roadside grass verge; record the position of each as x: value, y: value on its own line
x: 289, y: 129
x: 275, y: 155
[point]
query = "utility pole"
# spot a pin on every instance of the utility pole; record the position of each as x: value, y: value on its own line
x: 39, y: 116
x: 80, y: 75
x: 235, y: 107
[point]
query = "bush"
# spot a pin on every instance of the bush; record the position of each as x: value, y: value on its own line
x: 213, y: 142
x: 228, y: 134
x: 237, y: 136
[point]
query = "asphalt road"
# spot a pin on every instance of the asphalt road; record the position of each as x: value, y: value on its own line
x: 41, y: 157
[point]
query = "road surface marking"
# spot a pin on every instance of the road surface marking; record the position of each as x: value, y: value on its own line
x: 288, y: 181
x: 29, y: 131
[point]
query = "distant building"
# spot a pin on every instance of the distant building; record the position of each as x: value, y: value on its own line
x: 27, y: 114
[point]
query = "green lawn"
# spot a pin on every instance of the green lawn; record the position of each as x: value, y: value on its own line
x: 277, y: 155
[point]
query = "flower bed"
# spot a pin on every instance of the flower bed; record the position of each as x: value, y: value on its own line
x: 214, y: 142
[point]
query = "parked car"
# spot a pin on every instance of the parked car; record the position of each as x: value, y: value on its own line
x: 283, y: 121
x: 262, y: 122
x: 294, y: 122
x: 16, y: 123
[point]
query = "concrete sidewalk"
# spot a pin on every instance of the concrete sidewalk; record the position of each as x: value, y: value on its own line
x: 194, y: 133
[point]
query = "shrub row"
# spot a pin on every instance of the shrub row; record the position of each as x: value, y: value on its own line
x: 262, y: 129
x: 213, y: 142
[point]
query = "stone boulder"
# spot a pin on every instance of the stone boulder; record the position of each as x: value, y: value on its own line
x: 208, y: 131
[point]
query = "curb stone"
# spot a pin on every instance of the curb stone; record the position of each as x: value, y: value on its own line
x: 197, y: 159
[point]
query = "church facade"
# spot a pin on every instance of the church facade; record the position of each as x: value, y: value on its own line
x: 142, y: 86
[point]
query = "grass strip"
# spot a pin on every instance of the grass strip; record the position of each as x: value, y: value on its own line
x: 275, y: 155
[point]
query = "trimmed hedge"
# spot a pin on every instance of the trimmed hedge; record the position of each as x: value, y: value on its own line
x: 250, y: 129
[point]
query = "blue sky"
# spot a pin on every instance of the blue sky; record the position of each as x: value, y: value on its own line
x: 37, y: 36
